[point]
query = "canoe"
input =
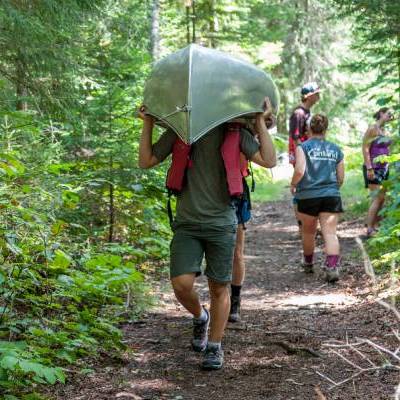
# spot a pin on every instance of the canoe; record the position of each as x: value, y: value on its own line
x: 196, y: 89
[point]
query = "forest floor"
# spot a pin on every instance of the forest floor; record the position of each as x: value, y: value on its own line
x: 279, y: 350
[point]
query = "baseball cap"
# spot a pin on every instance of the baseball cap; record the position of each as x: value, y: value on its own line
x: 309, y: 88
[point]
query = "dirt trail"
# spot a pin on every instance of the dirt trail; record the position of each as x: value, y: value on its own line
x: 276, y: 352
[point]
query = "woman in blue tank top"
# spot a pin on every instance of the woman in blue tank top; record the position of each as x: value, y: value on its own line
x: 317, y: 177
x: 376, y: 143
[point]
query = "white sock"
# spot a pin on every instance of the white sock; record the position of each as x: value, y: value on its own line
x: 203, y: 316
x: 214, y: 344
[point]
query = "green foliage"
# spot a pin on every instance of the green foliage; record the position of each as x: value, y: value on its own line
x: 353, y: 158
x: 376, y: 37
x: 66, y: 167
x: 270, y: 191
x: 19, y: 366
x: 354, y: 195
x: 60, y: 299
x: 37, y: 58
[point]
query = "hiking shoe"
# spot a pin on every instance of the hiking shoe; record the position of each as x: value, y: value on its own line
x: 234, y: 313
x: 213, y: 358
x: 308, y: 268
x: 331, y: 274
x: 371, y: 232
x: 200, y: 335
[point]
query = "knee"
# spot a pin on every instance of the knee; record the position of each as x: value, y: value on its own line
x: 218, y: 290
x: 181, y: 285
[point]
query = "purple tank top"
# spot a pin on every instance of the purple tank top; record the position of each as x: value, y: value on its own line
x: 379, y: 147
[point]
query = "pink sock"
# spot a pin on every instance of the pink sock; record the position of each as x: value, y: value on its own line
x: 308, y: 259
x: 332, y: 261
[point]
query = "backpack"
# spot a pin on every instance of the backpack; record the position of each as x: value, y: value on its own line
x: 243, y: 203
x: 236, y: 168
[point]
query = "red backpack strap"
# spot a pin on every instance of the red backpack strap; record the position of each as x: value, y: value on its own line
x: 176, y: 174
x: 230, y: 151
x: 180, y: 162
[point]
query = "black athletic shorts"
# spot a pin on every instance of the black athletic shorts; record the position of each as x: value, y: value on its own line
x: 381, y: 174
x: 318, y: 205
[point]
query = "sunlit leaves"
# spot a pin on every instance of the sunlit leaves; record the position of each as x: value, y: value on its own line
x: 10, y: 166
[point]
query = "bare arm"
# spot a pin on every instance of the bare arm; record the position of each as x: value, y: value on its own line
x: 266, y: 156
x: 146, y: 157
x: 299, y: 168
x: 368, y: 137
x: 340, y: 173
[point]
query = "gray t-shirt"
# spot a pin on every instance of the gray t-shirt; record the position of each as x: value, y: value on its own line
x: 320, y: 178
x: 205, y: 198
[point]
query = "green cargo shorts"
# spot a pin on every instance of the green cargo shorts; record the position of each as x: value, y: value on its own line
x: 191, y: 242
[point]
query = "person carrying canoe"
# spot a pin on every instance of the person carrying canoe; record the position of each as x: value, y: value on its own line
x: 205, y: 224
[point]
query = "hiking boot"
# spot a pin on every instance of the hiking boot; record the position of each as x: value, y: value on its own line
x: 213, y: 358
x: 200, y: 335
x: 234, y: 313
x: 308, y: 268
x: 331, y: 274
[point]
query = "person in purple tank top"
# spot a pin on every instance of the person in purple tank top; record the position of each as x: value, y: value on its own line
x: 376, y: 143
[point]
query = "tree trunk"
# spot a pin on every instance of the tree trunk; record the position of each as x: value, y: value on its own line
x: 21, y: 90
x: 188, y: 24
x: 289, y: 68
x: 283, y: 115
x: 111, y: 209
x: 111, y: 220
x: 155, y: 31
x: 213, y: 25
x: 193, y: 21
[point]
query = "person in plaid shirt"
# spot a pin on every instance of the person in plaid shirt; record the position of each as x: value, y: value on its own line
x: 298, y: 123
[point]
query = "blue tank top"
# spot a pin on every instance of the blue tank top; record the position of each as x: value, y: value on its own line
x: 320, y: 178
